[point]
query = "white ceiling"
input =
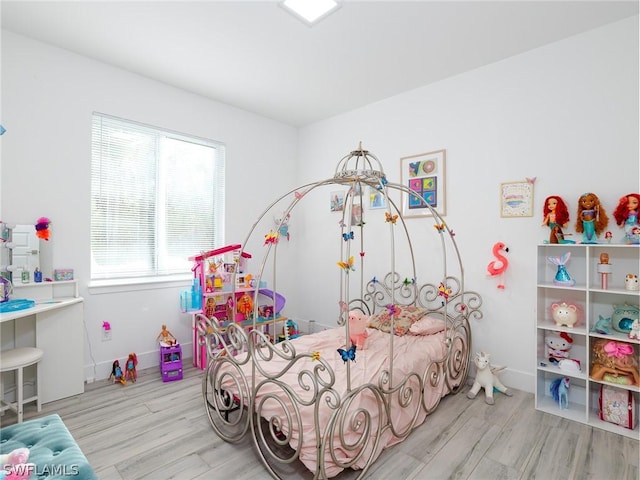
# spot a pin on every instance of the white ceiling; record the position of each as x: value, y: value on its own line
x: 258, y: 57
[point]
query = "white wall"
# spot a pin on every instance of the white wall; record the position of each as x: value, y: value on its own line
x: 48, y: 96
x: 566, y: 113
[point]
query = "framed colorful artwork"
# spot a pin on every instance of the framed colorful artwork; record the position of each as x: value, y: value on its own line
x: 516, y: 199
x: 424, y: 176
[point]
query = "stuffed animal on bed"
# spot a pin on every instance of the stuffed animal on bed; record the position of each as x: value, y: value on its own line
x: 358, y: 322
x: 486, y: 378
x: 14, y: 466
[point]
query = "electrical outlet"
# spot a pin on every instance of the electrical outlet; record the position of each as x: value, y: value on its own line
x: 106, y: 335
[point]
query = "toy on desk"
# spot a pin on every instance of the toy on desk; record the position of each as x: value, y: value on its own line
x: 559, y: 390
x: 166, y: 337
x: 130, y: 368
x: 592, y: 218
x: 604, y: 269
x: 116, y: 373
x: 626, y: 215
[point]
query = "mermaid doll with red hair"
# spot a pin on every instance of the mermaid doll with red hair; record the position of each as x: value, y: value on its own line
x: 626, y: 215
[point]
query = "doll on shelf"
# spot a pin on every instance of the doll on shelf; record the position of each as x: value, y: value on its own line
x: 166, y: 337
x: 626, y: 215
x: 556, y: 216
x: 592, y: 218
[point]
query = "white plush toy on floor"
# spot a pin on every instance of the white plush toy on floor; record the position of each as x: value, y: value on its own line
x: 486, y: 378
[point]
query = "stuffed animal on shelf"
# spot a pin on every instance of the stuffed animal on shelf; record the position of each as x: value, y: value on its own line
x: 558, y: 346
x: 14, y: 466
x: 486, y: 377
x: 358, y: 322
x: 567, y: 314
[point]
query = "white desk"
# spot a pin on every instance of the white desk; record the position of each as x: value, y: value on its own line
x: 55, y: 325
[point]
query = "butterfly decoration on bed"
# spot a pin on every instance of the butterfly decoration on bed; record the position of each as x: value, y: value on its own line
x: 444, y: 291
x: 393, y: 309
x: 271, y: 237
x: 341, y: 223
x: 409, y: 282
x: 440, y: 228
x: 298, y: 195
x: 390, y: 218
x: 348, y: 354
x: 347, y: 236
x: 315, y: 356
x: 374, y: 280
x: 383, y: 182
x: 348, y: 265
x: 343, y: 306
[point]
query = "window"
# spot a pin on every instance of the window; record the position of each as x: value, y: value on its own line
x: 157, y: 198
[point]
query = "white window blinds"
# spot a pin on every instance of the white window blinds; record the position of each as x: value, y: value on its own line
x: 157, y: 197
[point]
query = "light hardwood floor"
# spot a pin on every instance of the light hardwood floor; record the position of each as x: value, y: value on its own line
x: 155, y: 430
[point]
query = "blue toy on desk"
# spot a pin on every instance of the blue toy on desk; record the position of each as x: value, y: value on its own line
x: 16, y: 304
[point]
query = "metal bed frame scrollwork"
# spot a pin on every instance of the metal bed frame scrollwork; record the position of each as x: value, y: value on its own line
x: 240, y: 376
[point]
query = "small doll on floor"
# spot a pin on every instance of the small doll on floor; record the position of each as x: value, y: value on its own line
x: 626, y: 215
x: 592, y: 218
x: 556, y: 217
x: 116, y: 373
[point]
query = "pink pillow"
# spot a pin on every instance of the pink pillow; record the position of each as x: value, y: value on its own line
x: 427, y: 325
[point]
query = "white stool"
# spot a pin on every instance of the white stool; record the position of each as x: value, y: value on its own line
x: 18, y: 359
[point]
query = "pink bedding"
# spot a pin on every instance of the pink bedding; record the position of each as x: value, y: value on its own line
x: 412, y: 353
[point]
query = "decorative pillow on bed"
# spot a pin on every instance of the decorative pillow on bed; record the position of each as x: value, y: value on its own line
x: 405, y: 316
x: 427, y: 325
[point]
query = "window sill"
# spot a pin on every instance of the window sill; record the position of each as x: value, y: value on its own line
x: 99, y: 287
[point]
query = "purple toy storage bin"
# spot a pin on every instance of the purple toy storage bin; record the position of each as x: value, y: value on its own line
x: 171, y: 363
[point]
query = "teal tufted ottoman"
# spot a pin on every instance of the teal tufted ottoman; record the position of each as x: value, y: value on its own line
x: 52, y: 449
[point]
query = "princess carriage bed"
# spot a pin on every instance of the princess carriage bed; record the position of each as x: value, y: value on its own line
x: 317, y: 398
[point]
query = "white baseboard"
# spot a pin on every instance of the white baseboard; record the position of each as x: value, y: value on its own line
x: 102, y: 370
